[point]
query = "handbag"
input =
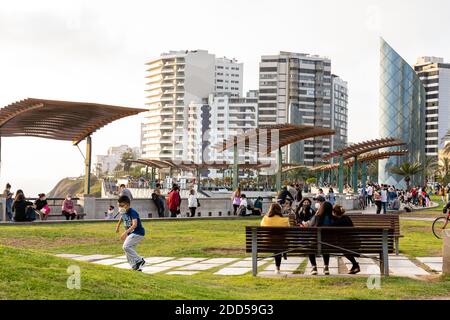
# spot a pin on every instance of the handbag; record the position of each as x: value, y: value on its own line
x: 46, y: 209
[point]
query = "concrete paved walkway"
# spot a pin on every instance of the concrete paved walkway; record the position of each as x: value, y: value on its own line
x: 188, y: 266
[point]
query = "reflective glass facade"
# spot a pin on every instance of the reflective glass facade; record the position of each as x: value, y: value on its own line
x: 402, y: 113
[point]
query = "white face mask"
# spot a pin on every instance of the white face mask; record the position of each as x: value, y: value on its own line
x: 69, y: 198
x: 122, y: 210
x: 317, y: 205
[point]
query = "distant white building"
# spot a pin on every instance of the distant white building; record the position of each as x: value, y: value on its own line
x: 107, y: 163
x: 178, y: 83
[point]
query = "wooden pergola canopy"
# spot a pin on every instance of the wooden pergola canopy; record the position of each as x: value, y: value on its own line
x: 269, y: 138
x: 364, y: 147
x: 363, y: 158
x: 160, y: 164
x: 59, y: 120
x: 293, y: 166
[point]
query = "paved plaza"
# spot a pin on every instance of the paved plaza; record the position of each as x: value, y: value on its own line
x: 400, y: 265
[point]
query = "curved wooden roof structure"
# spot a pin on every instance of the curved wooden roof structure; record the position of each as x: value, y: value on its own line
x: 364, y: 158
x: 59, y: 120
x: 364, y: 147
x: 293, y: 166
x: 160, y: 164
x: 268, y: 138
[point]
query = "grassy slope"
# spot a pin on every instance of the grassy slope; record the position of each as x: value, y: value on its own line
x: 27, y: 274
x: 29, y: 271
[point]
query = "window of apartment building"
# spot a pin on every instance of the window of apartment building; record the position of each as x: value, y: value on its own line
x: 268, y: 69
x: 433, y: 96
x: 219, y: 67
x: 432, y: 127
x: 219, y: 87
x: 219, y: 80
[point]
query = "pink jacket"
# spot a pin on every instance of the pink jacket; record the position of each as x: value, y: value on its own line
x: 68, y: 206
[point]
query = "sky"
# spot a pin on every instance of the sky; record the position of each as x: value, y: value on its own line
x: 96, y: 51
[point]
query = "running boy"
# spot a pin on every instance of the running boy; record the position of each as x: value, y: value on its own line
x: 133, y: 235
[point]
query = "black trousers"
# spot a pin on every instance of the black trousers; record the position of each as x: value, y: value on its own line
x: 278, y: 261
x: 69, y: 215
x: 235, y: 207
x: 312, y: 259
x: 192, y: 210
x: 352, y: 260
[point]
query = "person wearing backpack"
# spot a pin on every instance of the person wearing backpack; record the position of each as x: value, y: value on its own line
x: 174, y: 201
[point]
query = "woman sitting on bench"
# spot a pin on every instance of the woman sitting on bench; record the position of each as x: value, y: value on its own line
x: 342, y: 220
x: 274, y: 218
x: 68, y: 208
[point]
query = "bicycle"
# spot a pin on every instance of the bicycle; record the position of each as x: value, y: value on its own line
x: 441, y: 224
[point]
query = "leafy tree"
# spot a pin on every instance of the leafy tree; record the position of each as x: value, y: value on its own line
x: 444, y: 171
x: 430, y: 167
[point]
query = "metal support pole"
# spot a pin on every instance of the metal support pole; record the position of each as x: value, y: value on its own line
x: 355, y: 175
x: 364, y: 174
x: 197, y: 177
x: 87, y: 166
x: 341, y: 174
x: 235, y: 167
x: 153, y: 177
x: 279, y: 169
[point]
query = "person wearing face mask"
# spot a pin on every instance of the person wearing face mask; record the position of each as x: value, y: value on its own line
x: 304, y: 211
x: 42, y: 207
x: 323, y: 217
x: 133, y: 235
x: 68, y: 208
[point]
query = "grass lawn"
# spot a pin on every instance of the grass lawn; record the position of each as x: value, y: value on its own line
x: 29, y: 271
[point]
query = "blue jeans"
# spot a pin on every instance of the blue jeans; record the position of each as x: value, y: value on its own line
x: 9, y: 203
x: 383, y: 205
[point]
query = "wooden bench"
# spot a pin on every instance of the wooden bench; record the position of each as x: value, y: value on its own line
x: 323, y: 240
x: 79, y: 216
x: 390, y: 221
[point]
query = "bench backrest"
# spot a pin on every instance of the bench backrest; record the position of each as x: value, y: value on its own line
x: 302, y: 241
x: 377, y: 220
x: 391, y: 220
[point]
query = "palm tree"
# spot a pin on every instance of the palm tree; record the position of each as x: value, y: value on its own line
x: 444, y: 171
x: 407, y: 170
x: 430, y: 166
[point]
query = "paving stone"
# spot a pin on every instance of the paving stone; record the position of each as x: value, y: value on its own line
x: 435, y: 266
x: 401, y: 263
x: 192, y: 259
x: 152, y: 260
x: 284, y: 267
x: 246, y: 264
x: 430, y: 259
x: 173, y: 263
x: 232, y: 271
x: 333, y: 266
x: 93, y: 257
x: 271, y: 274
x: 200, y: 266
x: 122, y: 265
x: 220, y: 260
x: 407, y: 271
x: 182, y: 273
x: 68, y: 255
x: 109, y: 262
x: 155, y: 269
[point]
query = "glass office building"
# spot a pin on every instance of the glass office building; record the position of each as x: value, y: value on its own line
x: 402, y: 113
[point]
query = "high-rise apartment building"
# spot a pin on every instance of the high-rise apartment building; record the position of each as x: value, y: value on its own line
x: 297, y: 88
x: 229, y: 75
x: 435, y: 76
x: 339, y: 112
x: 177, y: 80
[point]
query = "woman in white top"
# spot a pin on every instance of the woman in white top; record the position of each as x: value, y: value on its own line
x: 192, y: 202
